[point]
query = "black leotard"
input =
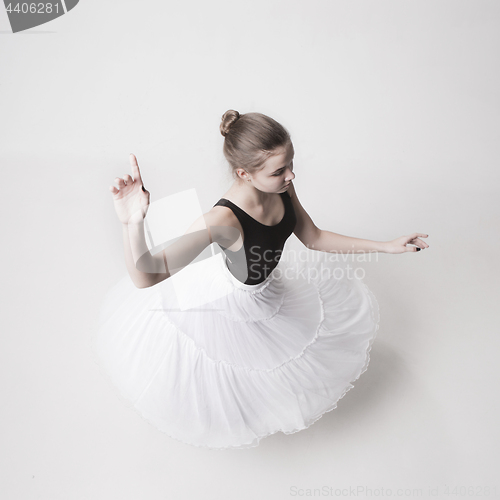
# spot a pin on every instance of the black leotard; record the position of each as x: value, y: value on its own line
x: 262, y: 245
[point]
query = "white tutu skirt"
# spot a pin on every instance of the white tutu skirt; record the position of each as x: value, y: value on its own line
x: 246, y: 361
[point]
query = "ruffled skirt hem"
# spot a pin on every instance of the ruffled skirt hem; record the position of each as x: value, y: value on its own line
x: 217, y: 364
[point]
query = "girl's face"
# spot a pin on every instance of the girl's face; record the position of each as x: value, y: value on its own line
x: 276, y: 174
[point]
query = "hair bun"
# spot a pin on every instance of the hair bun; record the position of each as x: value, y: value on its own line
x: 228, y: 118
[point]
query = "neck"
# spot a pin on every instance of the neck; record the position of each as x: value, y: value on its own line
x: 252, y: 196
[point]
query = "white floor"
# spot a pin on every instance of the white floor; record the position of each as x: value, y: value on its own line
x: 423, y: 420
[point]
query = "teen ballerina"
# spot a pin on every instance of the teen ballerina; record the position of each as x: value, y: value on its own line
x: 277, y: 342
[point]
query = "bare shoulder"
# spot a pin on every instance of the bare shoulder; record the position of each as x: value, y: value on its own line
x: 223, y: 226
x: 221, y: 216
x: 216, y: 216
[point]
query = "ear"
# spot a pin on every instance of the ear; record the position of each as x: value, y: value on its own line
x: 242, y: 174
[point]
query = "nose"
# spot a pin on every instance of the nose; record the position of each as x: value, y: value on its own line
x: 290, y: 176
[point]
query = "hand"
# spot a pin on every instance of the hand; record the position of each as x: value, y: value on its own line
x: 399, y: 244
x: 131, y: 199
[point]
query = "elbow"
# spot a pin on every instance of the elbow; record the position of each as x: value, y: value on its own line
x: 140, y: 286
x: 153, y: 280
x: 317, y: 237
x: 145, y: 284
x: 311, y: 239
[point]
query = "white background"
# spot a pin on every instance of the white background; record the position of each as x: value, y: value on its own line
x: 393, y: 108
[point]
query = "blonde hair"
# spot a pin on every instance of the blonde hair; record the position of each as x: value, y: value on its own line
x: 250, y: 139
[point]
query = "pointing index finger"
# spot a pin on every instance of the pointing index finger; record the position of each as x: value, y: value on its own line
x: 136, y: 174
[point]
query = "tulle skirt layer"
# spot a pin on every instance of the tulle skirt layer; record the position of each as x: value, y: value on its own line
x: 216, y: 363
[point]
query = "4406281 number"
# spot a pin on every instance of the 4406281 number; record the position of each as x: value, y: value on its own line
x: 33, y: 8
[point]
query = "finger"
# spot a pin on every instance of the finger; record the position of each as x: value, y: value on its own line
x: 113, y: 189
x: 135, y: 169
x: 412, y: 249
x: 420, y: 243
x: 120, y: 182
x: 128, y: 179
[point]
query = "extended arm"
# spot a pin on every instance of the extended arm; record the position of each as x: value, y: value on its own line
x: 326, y: 241
x: 333, y: 242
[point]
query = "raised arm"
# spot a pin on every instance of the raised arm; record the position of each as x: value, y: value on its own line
x: 326, y: 241
x: 131, y: 204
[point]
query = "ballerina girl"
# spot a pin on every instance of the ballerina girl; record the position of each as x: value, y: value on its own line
x: 274, y: 351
